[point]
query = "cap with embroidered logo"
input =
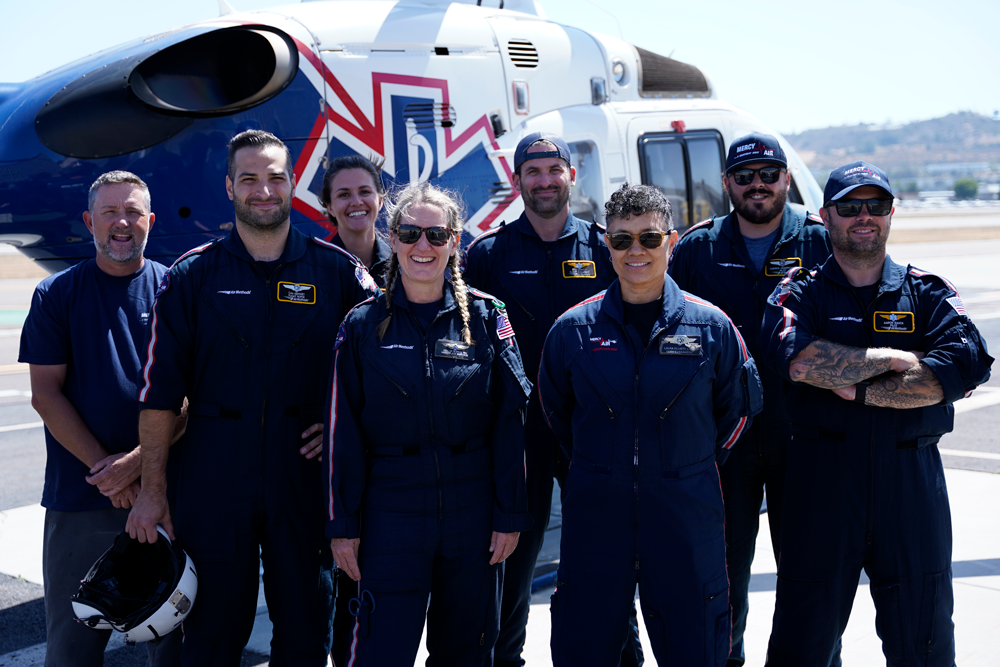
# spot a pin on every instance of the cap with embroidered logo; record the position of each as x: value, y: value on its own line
x: 755, y: 147
x: 850, y: 177
x: 521, y: 155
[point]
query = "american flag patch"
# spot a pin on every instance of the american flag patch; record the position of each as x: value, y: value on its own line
x: 504, y: 330
x: 956, y: 303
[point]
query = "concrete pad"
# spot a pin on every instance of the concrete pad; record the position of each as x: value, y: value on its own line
x: 21, y: 533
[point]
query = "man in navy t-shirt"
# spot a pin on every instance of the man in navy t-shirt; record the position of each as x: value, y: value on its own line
x: 82, y: 339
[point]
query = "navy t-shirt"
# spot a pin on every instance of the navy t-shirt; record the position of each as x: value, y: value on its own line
x: 95, y: 324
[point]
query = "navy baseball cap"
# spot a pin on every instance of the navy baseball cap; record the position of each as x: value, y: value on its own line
x: 852, y: 176
x: 521, y: 154
x: 755, y: 147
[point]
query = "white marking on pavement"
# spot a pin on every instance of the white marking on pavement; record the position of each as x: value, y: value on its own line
x: 983, y: 397
x: 34, y: 656
x: 20, y: 427
x: 7, y: 393
x: 971, y: 455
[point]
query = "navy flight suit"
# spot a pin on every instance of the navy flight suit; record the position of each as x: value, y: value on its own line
x: 425, y: 459
x: 866, y: 488
x: 712, y: 262
x: 539, y: 281
x: 644, y: 424
x: 250, y: 344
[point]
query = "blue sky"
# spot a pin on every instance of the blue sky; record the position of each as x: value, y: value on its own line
x: 795, y: 65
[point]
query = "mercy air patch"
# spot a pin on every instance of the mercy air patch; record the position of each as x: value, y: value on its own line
x: 297, y: 293
x: 680, y: 345
x: 778, y: 266
x: 579, y: 268
x: 894, y: 322
x: 454, y: 349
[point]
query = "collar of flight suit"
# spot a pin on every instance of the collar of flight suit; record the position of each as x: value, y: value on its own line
x: 399, y: 297
x: 673, y: 304
x: 892, y: 279
x: 791, y: 226
x: 295, y: 246
x: 573, y: 226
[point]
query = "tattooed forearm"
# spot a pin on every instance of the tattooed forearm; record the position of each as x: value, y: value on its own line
x: 915, y: 388
x: 831, y: 366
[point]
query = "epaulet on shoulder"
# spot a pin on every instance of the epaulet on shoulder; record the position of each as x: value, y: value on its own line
x: 814, y: 218
x: 196, y: 251
x: 919, y: 273
x: 797, y: 274
x: 357, y: 306
x: 597, y: 297
x: 481, y: 294
x: 492, y: 231
x: 704, y: 224
x: 326, y: 244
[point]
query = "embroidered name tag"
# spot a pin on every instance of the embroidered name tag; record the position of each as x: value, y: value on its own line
x: 454, y: 349
x: 894, y: 322
x: 777, y: 266
x: 579, y: 268
x: 681, y: 345
x: 297, y: 293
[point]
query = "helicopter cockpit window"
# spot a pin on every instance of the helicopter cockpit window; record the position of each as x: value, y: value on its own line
x: 586, y: 198
x: 688, y: 169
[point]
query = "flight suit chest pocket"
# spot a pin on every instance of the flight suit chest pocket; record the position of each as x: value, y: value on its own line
x: 383, y: 375
x: 599, y: 408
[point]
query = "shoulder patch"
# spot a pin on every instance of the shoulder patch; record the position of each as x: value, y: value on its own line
x: 341, y: 336
x: 365, y: 279
x: 504, y: 329
x: 815, y: 218
x: 164, y: 284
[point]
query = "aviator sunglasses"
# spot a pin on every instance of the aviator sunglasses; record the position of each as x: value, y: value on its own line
x: 623, y: 240
x: 410, y: 234
x: 767, y: 175
x: 849, y: 208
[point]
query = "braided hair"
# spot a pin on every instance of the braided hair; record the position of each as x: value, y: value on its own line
x: 425, y: 193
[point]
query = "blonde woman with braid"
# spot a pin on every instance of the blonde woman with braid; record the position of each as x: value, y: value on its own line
x: 425, y: 450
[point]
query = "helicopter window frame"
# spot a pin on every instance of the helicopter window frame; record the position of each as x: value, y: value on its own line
x: 647, y: 142
x: 587, y: 196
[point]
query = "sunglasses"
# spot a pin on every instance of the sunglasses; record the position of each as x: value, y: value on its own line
x: 849, y: 208
x: 410, y: 234
x: 623, y: 240
x: 767, y: 175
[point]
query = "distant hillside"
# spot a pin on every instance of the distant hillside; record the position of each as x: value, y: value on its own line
x: 906, y: 151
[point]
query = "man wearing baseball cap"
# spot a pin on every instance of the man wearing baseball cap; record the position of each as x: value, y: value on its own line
x: 735, y: 261
x: 540, y: 265
x: 877, y: 353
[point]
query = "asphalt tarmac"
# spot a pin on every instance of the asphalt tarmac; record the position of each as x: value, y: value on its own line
x: 970, y: 453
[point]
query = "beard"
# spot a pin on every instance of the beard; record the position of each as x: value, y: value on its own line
x: 861, y: 252
x: 120, y: 255
x: 762, y: 212
x: 262, y: 222
x: 547, y: 208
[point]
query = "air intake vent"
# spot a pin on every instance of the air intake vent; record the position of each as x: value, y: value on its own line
x: 427, y: 115
x: 522, y: 53
x: 665, y: 77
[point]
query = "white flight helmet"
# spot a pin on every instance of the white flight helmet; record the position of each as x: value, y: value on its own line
x: 144, y: 590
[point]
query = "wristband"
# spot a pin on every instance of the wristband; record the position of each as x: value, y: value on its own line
x: 860, y: 389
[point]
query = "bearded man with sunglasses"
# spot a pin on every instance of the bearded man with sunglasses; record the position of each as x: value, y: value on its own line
x: 736, y: 261
x: 876, y: 353
x: 539, y: 265
x: 647, y: 388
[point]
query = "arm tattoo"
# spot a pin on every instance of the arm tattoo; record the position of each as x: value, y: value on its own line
x: 831, y: 366
x: 915, y: 388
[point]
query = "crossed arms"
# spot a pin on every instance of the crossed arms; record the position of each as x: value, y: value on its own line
x: 898, y: 378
